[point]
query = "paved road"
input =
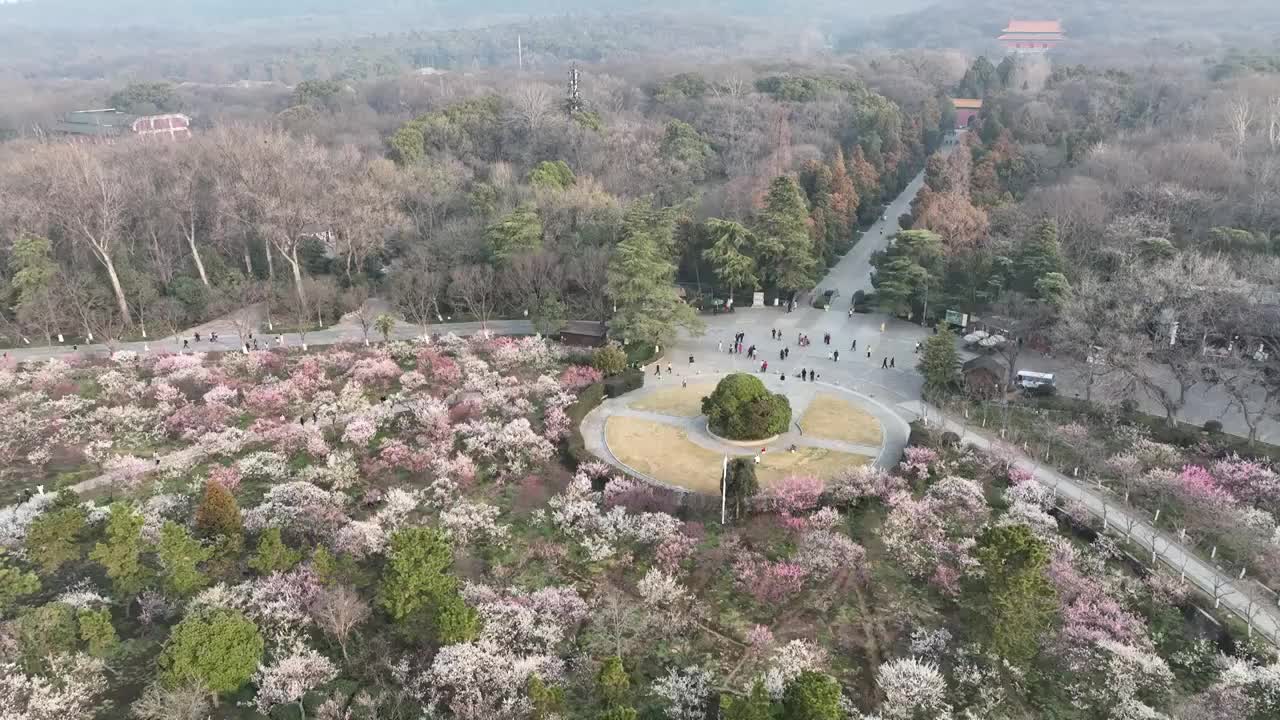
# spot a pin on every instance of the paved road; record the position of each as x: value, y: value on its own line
x: 348, y: 330
x: 1217, y: 583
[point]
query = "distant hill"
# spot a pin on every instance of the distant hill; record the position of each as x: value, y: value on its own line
x: 387, y: 15
x: 974, y: 24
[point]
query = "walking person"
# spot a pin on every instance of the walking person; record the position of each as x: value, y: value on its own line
x: 804, y: 374
x: 891, y: 362
x: 185, y: 345
x: 854, y: 346
x: 884, y: 363
x: 837, y: 354
x: 829, y: 356
x: 670, y: 370
x: 868, y: 353
x: 721, y: 347
x: 812, y: 376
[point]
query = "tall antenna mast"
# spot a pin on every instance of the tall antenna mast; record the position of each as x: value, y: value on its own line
x: 520, y: 52
x: 574, y: 103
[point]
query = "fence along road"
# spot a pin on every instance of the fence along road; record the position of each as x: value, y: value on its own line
x: 1256, y: 605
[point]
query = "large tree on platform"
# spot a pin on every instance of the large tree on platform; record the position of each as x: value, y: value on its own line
x: 642, y: 281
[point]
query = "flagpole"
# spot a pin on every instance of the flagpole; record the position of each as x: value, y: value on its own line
x: 724, y: 486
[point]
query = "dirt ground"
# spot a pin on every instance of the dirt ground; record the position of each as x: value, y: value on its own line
x: 666, y: 453
x: 835, y: 418
x: 675, y: 400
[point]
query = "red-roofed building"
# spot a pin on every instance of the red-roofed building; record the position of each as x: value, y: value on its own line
x: 967, y: 110
x: 1032, y: 36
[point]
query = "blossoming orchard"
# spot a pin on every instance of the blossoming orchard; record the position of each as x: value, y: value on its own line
x: 413, y: 531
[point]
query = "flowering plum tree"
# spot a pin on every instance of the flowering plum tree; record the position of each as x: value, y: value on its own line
x: 291, y: 676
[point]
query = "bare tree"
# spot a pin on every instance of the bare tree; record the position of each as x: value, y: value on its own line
x: 1240, y: 118
x: 184, y: 185
x: 1273, y: 124
x: 363, y: 209
x: 338, y: 611
x: 586, y: 276
x: 92, y: 308
x: 475, y: 287
x: 284, y: 184
x: 188, y: 701
x: 416, y: 289
x: 532, y: 105
x: 528, y: 280
x: 365, y: 313
x: 241, y: 304
x: 1155, y: 318
x: 88, y: 199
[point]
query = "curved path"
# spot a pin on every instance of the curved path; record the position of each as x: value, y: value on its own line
x: 893, y: 427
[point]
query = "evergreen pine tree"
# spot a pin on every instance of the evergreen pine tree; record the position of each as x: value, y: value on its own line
x: 218, y: 513
x: 786, y: 248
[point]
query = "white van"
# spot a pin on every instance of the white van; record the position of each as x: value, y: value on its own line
x: 1030, y: 380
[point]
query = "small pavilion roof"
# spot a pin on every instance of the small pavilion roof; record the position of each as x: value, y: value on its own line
x: 967, y: 103
x: 1052, y: 27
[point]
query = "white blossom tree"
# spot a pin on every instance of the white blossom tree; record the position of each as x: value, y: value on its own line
x: 912, y: 689
x: 684, y: 692
x: 291, y: 677
x: 69, y: 691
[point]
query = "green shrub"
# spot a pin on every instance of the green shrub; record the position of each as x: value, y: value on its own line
x: 640, y: 353
x: 609, y: 360
x: 741, y: 408
x: 624, y: 383
x: 1213, y: 426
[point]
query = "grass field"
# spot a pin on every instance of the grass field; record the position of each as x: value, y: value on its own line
x: 675, y: 400
x: 666, y: 453
x: 834, y: 418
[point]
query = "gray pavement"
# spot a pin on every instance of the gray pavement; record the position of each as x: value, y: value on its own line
x: 800, y: 394
x: 1220, y: 584
x: 348, y: 330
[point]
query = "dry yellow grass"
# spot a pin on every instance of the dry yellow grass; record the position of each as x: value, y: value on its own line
x: 663, y: 452
x: 675, y: 400
x: 818, y: 462
x: 666, y: 453
x: 834, y: 418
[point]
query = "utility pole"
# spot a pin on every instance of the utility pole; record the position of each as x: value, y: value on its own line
x: 574, y: 102
x: 520, y: 52
x: 924, y: 314
x: 724, y: 487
